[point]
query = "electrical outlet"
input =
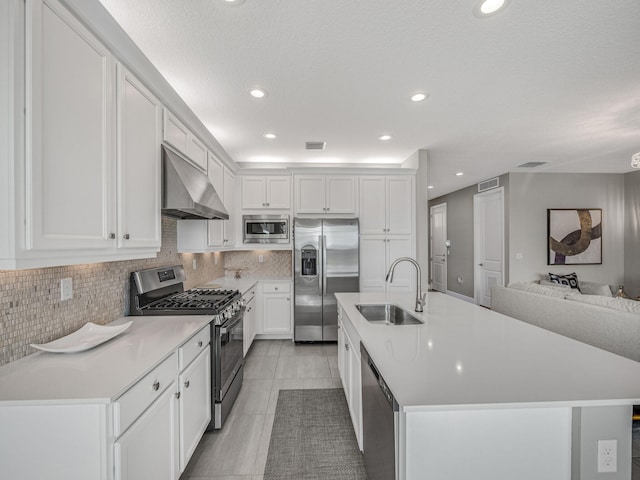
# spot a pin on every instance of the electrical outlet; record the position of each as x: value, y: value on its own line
x: 460, y: 281
x: 607, y: 456
x: 519, y: 256
x: 261, y: 258
x: 195, y: 264
x: 66, y: 289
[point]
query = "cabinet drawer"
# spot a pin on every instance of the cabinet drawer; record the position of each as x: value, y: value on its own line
x: 191, y: 349
x: 135, y: 401
x: 276, y: 287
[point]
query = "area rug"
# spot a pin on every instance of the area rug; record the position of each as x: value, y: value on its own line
x: 313, y: 438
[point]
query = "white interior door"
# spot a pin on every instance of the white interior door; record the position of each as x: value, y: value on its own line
x: 488, y: 219
x: 439, y: 248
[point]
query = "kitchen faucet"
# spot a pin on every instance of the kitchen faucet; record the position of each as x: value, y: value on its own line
x: 420, y: 297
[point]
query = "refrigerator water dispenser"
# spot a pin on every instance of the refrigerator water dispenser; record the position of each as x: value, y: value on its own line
x: 309, y: 258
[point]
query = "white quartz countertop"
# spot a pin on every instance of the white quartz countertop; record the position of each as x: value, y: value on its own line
x: 101, y: 374
x: 465, y: 356
x: 243, y: 284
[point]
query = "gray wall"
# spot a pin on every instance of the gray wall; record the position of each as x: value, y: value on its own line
x: 531, y: 194
x: 460, y: 233
x: 590, y: 424
x: 632, y: 234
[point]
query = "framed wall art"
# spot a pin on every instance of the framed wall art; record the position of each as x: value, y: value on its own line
x: 574, y: 236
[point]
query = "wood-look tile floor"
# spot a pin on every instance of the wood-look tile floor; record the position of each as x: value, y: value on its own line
x: 239, y: 450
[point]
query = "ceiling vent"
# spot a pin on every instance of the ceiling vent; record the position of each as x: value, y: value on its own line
x: 488, y: 184
x: 532, y: 164
x: 316, y: 145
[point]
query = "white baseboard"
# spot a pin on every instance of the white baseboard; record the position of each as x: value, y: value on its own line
x: 461, y: 297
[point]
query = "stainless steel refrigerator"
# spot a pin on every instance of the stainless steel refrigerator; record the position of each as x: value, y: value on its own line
x: 326, y: 261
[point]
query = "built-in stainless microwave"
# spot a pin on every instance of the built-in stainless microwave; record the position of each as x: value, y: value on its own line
x: 265, y: 228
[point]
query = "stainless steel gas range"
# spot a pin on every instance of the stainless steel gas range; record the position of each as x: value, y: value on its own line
x: 160, y: 291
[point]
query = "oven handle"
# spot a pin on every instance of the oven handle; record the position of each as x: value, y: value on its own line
x: 240, y: 314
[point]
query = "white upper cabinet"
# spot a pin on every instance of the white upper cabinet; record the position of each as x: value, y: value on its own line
x: 387, y: 205
x: 180, y: 137
x: 377, y: 252
x: 221, y: 233
x: 326, y: 194
x: 198, y: 152
x: 266, y: 192
x: 211, y: 235
x: 69, y: 134
x: 138, y: 163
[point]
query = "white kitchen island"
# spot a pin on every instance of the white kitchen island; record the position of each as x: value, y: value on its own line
x: 485, y: 396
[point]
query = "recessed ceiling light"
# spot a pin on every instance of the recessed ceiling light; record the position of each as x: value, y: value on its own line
x: 270, y: 136
x: 459, y: 174
x: 429, y: 187
x: 234, y: 2
x: 418, y: 97
x: 258, y: 93
x: 484, y: 8
x: 384, y: 138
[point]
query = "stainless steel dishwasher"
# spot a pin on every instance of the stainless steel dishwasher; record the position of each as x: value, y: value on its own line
x: 379, y: 412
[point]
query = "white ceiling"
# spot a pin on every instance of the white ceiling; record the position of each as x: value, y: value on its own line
x: 546, y: 80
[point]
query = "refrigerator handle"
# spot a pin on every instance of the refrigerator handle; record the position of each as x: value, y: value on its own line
x: 321, y: 261
x: 324, y: 265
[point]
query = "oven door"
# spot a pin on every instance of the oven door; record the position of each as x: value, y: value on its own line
x: 229, y: 355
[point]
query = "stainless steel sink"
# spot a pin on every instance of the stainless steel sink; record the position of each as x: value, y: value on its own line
x: 388, y: 314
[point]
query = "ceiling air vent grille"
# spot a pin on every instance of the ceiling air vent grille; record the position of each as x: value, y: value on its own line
x: 316, y: 145
x: 488, y: 184
x: 532, y: 164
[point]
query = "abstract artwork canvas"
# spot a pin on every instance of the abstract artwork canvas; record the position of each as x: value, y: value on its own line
x: 574, y: 236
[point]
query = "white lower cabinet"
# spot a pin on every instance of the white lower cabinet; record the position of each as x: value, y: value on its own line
x: 148, y: 449
x: 276, y: 309
x: 350, y: 374
x: 249, y: 331
x: 160, y: 442
x: 194, y: 405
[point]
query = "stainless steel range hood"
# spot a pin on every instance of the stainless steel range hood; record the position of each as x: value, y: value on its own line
x: 187, y: 192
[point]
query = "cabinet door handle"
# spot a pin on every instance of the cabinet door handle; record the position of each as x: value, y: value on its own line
x: 288, y: 298
x: 268, y: 204
x: 126, y: 236
x: 112, y: 236
x: 178, y: 395
x: 156, y: 386
x: 346, y: 346
x: 200, y: 344
x: 186, y: 384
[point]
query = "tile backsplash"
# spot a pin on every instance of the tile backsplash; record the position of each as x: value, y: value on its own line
x: 31, y: 310
x: 276, y: 263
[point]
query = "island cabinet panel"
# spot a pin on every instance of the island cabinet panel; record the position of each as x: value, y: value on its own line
x: 149, y: 448
x: 70, y: 171
x: 534, y: 444
x: 349, y: 367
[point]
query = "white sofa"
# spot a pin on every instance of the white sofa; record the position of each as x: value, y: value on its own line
x: 612, y: 324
